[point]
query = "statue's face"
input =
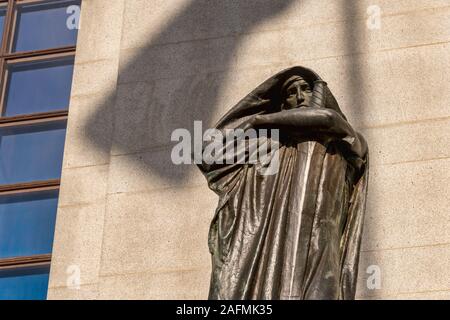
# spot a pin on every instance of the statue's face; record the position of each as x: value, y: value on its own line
x: 298, y: 94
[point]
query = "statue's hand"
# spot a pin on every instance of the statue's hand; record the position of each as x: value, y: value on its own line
x: 250, y: 123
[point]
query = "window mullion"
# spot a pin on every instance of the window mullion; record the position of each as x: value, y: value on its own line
x: 26, y: 261
x: 8, y: 28
x: 34, y: 186
x: 2, y: 83
x: 35, y: 118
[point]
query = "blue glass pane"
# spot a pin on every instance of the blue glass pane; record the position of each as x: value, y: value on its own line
x: 39, y: 86
x: 24, y: 283
x: 2, y: 21
x: 27, y: 223
x: 46, y: 25
x: 29, y: 153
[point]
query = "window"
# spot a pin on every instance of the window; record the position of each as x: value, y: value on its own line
x: 26, y: 223
x: 46, y: 82
x: 28, y: 283
x: 37, y: 49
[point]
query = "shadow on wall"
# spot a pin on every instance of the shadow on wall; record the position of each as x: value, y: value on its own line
x: 354, y: 40
x: 177, y: 78
x: 355, y: 43
x: 173, y: 81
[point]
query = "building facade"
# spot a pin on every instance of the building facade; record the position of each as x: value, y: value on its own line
x: 130, y: 224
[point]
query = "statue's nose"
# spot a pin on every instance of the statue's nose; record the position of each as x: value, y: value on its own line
x: 300, y: 96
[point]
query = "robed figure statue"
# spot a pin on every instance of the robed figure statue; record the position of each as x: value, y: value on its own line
x: 294, y: 233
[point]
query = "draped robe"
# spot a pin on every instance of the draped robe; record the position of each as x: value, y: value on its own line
x: 294, y: 234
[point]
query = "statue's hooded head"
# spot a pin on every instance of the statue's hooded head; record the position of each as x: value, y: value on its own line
x: 297, y: 93
x: 296, y: 87
x: 306, y: 89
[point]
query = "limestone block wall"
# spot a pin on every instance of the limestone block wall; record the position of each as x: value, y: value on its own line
x: 131, y: 225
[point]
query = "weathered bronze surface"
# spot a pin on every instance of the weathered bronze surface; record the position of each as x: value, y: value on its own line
x: 295, y: 234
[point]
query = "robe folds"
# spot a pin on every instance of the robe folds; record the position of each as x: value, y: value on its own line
x: 296, y: 233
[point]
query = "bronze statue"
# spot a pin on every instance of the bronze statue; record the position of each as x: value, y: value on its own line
x: 294, y: 234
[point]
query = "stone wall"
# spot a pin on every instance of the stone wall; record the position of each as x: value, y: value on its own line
x: 136, y: 226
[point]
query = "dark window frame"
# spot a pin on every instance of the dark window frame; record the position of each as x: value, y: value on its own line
x: 8, y: 57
